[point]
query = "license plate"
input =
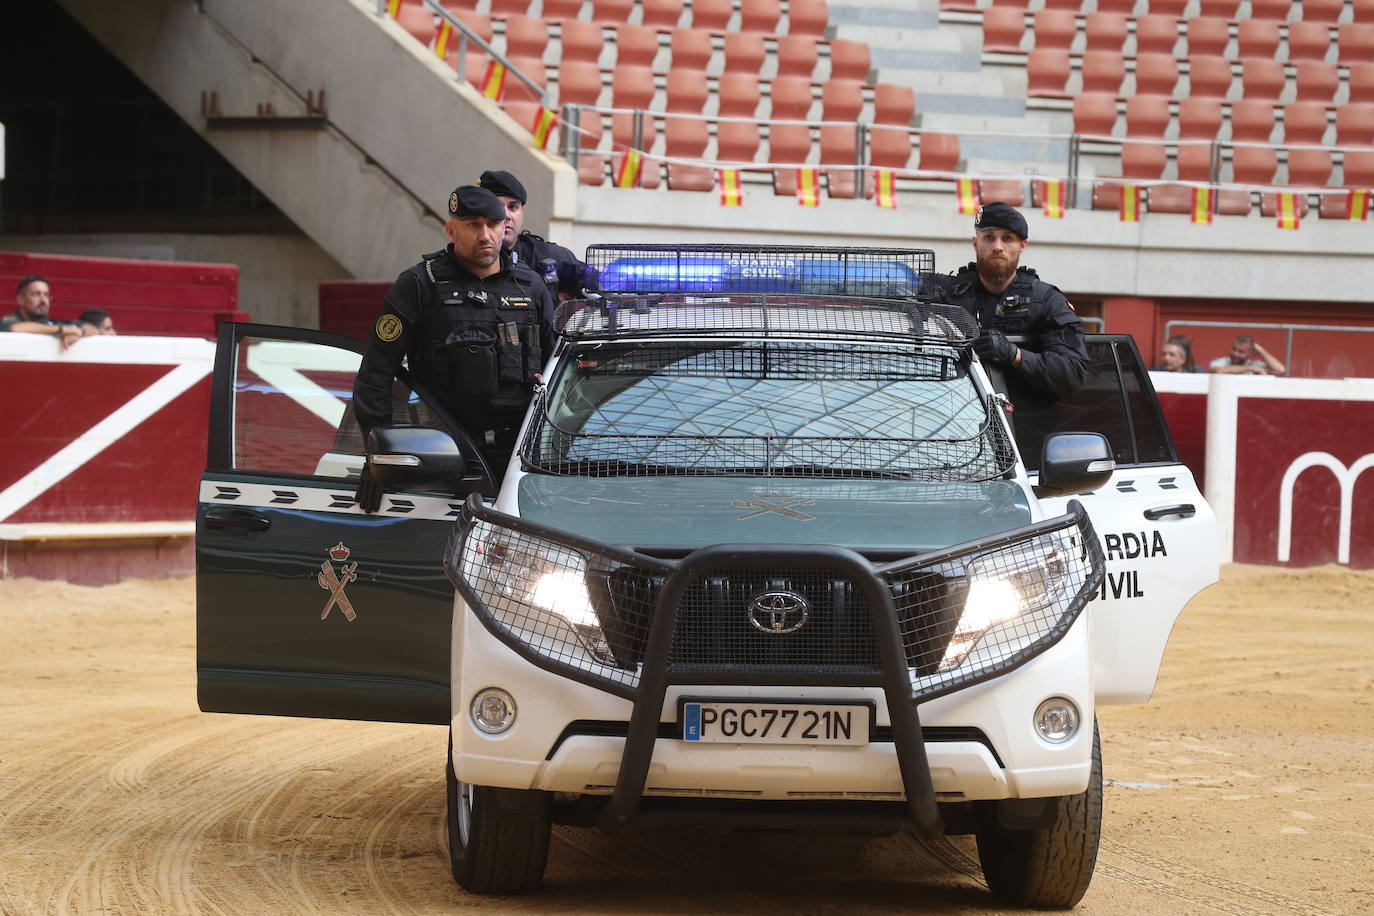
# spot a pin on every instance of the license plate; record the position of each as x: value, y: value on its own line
x: 750, y: 722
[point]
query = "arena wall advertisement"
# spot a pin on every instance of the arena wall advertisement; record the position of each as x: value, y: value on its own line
x: 104, y: 445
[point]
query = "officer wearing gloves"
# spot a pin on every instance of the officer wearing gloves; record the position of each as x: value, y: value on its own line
x: 473, y: 326
x: 563, y: 273
x: 1011, y: 300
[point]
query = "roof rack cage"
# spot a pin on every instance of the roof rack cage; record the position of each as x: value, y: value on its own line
x: 678, y: 315
x: 771, y: 269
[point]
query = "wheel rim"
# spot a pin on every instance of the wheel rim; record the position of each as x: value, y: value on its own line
x: 465, y: 797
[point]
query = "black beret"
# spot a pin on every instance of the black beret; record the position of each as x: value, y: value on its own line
x: 1001, y: 216
x: 470, y: 200
x: 503, y: 184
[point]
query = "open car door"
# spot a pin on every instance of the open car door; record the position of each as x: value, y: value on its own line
x: 305, y: 605
x: 1158, y: 534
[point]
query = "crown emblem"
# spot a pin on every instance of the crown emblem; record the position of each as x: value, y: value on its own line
x: 339, y: 552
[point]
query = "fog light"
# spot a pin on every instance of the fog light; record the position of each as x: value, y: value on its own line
x: 493, y: 710
x: 1057, y: 720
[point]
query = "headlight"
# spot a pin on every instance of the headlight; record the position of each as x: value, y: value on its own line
x: 549, y: 579
x: 1003, y: 588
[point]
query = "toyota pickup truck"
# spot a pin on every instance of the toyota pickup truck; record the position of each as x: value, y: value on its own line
x: 774, y: 551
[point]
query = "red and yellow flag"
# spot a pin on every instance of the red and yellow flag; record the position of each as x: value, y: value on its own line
x: 627, y: 176
x: 1056, y: 192
x: 1286, y: 213
x: 494, y: 83
x: 808, y: 187
x: 968, y: 195
x: 885, y: 188
x: 393, y: 8
x: 441, y: 39
x: 1130, y: 203
x: 1202, y: 206
x: 1357, y: 205
x: 544, y: 121
x: 731, y: 194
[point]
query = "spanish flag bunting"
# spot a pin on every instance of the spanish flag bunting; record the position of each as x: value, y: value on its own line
x: 1056, y: 189
x: 808, y: 187
x: 494, y: 83
x: 627, y: 176
x: 393, y: 8
x: 968, y: 196
x: 731, y: 194
x: 885, y: 183
x: 1130, y: 203
x: 1202, y: 206
x: 543, y: 126
x: 1286, y: 213
x: 441, y: 39
x: 1357, y: 206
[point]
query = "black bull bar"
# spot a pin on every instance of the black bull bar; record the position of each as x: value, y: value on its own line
x: 1073, y: 552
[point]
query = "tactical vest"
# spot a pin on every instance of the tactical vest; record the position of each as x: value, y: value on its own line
x: 1020, y: 308
x: 480, y: 344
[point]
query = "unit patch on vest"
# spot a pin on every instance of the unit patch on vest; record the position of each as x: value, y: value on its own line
x: 388, y: 328
x: 515, y: 302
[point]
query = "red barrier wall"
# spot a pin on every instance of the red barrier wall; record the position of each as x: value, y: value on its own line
x: 350, y: 306
x: 163, y: 298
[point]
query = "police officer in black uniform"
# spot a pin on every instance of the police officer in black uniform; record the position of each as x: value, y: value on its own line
x: 473, y: 326
x: 563, y: 273
x: 1011, y: 300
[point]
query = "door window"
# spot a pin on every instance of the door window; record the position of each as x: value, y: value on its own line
x: 1117, y: 400
x: 292, y: 410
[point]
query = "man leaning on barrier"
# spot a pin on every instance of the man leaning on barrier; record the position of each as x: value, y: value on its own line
x: 1008, y: 299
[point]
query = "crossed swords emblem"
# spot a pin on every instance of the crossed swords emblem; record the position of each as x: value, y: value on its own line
x: 336, y: 584
x: 766, y: 502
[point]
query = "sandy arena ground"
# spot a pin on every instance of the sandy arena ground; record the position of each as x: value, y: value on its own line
x: 1246, y: 786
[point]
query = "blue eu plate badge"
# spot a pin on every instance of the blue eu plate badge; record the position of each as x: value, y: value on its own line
x: 691, y: 722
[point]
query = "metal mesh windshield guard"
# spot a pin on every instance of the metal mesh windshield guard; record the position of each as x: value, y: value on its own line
x: 584, y: 610
x: 715, y: 269
x: 646, y: 315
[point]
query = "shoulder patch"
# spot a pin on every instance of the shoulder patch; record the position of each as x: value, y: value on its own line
x: 388, y: 328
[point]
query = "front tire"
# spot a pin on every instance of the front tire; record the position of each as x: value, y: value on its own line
x: 1048, y: 868
x: 498, y: 839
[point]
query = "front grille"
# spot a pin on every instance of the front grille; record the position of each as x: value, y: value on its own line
x: 724, y: 624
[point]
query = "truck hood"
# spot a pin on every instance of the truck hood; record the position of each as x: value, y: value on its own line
x: 691, y: 512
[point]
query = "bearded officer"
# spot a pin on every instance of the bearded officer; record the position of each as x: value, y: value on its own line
x: 563, y: 273
x: 473, y: 326
x: 1008, y: 299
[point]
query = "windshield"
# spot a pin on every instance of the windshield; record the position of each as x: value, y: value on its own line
x: 772, y: 408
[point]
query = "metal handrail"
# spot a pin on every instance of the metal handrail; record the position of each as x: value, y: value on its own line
x: 1290, y: 328
x: 465, y: 35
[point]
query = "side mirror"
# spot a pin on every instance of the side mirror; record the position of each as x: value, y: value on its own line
x: 1074, y: 463
x: 409, y: 457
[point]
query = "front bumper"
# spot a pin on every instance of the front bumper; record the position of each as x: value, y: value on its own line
x: 906, y: 768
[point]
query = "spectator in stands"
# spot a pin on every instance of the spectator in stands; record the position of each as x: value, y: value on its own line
x: 1177, y: 356
x: 96, y: 321
x: 1009, y: 299
x: 560, y: 268
x: 473, y: 326
x: 1247, y: 357
x: 31, y: 317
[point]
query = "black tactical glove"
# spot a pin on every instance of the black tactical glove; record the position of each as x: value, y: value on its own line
x: 369, y: 492
x: 993, y: 348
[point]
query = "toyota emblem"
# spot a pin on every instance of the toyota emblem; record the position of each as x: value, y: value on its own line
x: 776, y: 613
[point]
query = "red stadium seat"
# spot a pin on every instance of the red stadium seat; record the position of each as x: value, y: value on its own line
x: 1324, y: 11
x: 889, y: 147
x: 939, y: 152
x: 797, y: 55
x: 1308, y: 40
x: 1317, y: 81
x: 418, y: 21
x: 791, y: 98
x: 1355, y: 124
x: 691, y: 49
x: 632, y: 86
x: 1156, y: 33
x: 1103, y: 71
x: 1361, y: 81
x: 636, y: 45
x: 579, y: 82
x: 1252, y: 120
x: 760, y: 16
x: 1219, y: 9
x: 849, y: 60
x: 1198, y: 119
x: 1094, y: 113
x: 807, y: 17
x: 893, y: 104
x: 1003, y: 28
x: 1143, y: 160
x: 1270, y: 9
x: 1105, y: 31
x: 841, y: 100
x: 580, y: 41
x: 611, y: 12
x: 526, y: 36
x: 1047, y: 72
x: 560, y: 9
x: 1147, y: 116
x: 1304, y: 122
x: 712, y: 15
x: 1262, y: 78
x: 1208, y: 35
x: 662, y: 14
x: 1355, y: 42
x: 1010, y: 191
x: 687, y: 92
x: 1362, y: 10
x: 1257, y: 38
x: 839, y: 145
x: 1155, y: 74
x: 788, y: 143
x: 744, y: 52
x: 1209, y: 77
x: 1055, y: 28
x: 687, y: 139
x: 1172, y: 8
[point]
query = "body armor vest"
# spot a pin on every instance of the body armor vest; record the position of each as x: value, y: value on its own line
x: 481, y: 343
